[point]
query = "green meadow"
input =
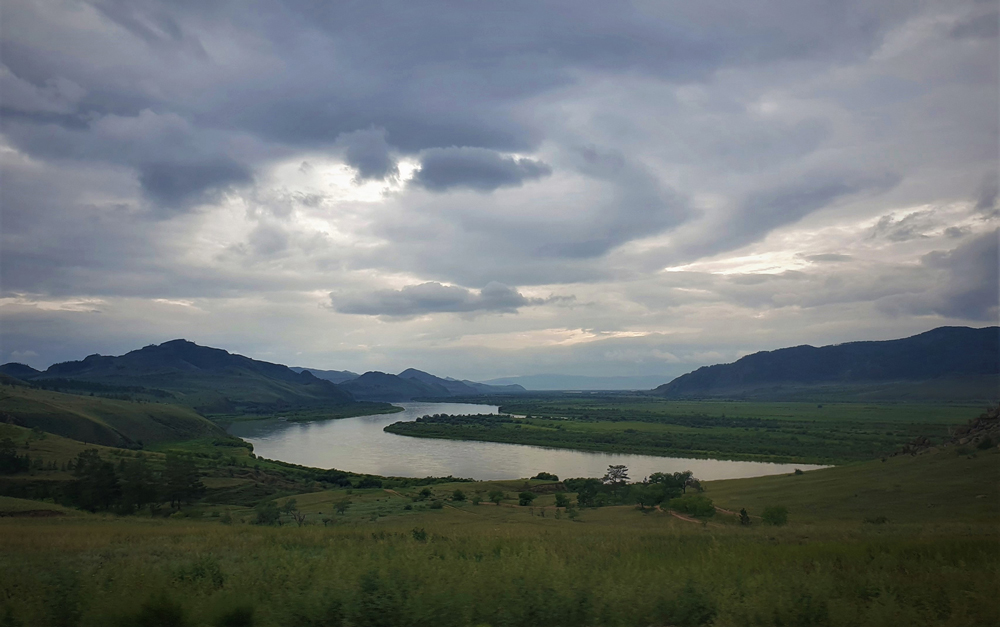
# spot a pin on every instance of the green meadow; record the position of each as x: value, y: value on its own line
x: 912, y: 540
x: 822, y: 433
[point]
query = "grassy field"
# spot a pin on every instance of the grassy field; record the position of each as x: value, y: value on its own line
x: 780, y: 432
x: 101, y: 420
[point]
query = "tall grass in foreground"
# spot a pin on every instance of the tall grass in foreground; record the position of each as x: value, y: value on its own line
x: 660, y: 572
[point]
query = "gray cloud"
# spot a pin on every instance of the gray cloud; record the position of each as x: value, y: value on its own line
x: 828, y: 258
x: 173, y: 183
x: 480, y: 169
x: 665, y: 135
x: 368, y: 152
x: 970, y: 287
x: 432, y: 297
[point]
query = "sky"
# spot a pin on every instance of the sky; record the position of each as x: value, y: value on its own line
x: 486, y: 190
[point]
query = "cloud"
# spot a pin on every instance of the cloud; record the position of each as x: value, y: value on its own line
x: 828, y: 258
x: 368, y: 152
x: 174, y: 183
x: 479, y: 169
x: 432, y: 297
x: 970, y: 286
x: 57, y: 95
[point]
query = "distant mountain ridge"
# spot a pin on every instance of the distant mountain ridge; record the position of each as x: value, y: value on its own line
x: 211, y: 380
x: 964, y: 360
x: 413, y: 384
x: 333, y: 376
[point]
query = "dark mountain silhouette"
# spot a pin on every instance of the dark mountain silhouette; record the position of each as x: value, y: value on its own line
x: 19, y: 371
x: 209, y: 379
x: 389, y: 387
x: 413, y: 384
x: 945, y: 362
x: 334, y: 376
x: 453, y: 387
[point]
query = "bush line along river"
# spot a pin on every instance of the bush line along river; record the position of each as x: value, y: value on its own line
x: 360, y: 445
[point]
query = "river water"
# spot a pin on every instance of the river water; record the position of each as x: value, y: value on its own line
x: 359, y: 445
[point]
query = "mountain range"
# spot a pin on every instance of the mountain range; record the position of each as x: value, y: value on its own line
x: 214, y: 381
x: 947, y: 363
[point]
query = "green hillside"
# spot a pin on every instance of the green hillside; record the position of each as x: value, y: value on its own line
x: 100, y: 420
x: 947, y: 484
x: 212, y: 381
x: 945, y: 364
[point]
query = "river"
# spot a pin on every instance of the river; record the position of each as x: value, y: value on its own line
x: 360, y: 445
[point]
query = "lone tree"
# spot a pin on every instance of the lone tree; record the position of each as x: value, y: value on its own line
x: 744, y: 517
x: 616, y: 477
x: 525, y: 498
x: 496, y: 496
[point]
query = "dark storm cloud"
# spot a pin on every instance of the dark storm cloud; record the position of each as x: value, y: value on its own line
x: 368, y: 152
x: 970, y: 289
x: 432, y: 297
x: 474, y: 168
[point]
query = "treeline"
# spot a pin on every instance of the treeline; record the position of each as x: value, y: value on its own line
x: 823, y: 445
x: 614, y: 489
x: 486, y: 420
x: 99, y: 484
x: 119, y: 392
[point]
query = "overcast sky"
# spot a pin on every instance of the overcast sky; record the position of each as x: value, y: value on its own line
x: 493, y: 189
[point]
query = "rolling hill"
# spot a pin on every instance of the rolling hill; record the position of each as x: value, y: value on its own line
x: 210, y: 380
x: 947, y: 363
x: 98, y: 420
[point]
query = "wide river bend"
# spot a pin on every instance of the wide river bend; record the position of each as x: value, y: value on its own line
x: 359, y: 445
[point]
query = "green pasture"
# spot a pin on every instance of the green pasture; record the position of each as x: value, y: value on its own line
x: 779, y: 432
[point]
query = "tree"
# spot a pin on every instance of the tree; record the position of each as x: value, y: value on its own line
x: 182, y: 481
x: 682, y: 479
x: 562, y: 500
x: 616, y: 477
x: 775, y: 515
x: 10, y: 461
x: 496, y: 496
x: 342, y: 505
x: 96, y: 486
x: 546, y: 476
x: 525, y: 498
x: 139, y: 485
x: 458, y: 495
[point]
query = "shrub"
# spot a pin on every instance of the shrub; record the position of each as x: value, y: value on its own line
x: 267, y: 513
x: 420, y: 535
x: 875, y: 520
x: 744, y: 517
x: 775, y: 515
x: 437, y: 505
x: 985, y: 443
x: 694, y: 504
x: 458, y: 495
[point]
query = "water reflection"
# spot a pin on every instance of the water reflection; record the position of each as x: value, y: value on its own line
x: 360, y: 445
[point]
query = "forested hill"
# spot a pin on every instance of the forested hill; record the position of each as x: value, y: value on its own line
x: 947, y: 362
x: 209, y: 379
